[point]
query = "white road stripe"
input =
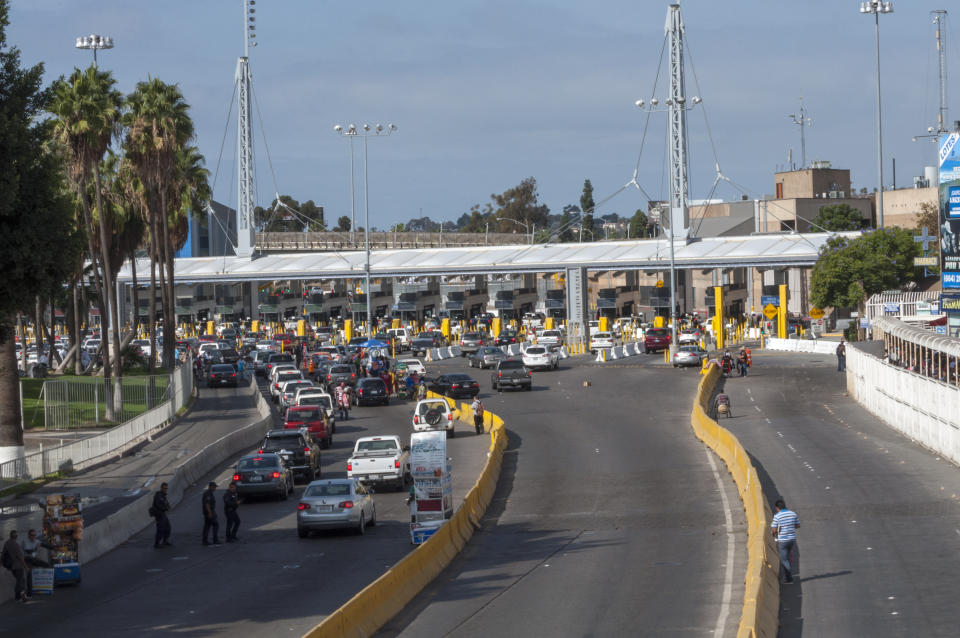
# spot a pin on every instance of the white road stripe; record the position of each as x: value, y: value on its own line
x: 718, y: 630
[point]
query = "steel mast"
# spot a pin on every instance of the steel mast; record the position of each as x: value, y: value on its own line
x: 939, y: 17
x: 245, y: 185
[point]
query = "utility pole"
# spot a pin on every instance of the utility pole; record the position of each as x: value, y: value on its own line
x: 801, y: 119
x: 245, y: 184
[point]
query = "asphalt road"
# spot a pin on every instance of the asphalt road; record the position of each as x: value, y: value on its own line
x: 270, y: 583
x: 880, y: 516
x: 607, y: 521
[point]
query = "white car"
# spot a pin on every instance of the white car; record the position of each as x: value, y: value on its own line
x: 540, y: 357
x: 144, y: 345
x: 316, y: 396
x: 433, y: 414
x: 280, y: 379
x: 688, y: 337
x: 601, y: 340
x: 550, y: 338
x: 207, y: 345
x: 414, y: 365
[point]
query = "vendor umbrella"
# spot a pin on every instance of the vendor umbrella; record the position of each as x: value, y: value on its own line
x: 371, y: 343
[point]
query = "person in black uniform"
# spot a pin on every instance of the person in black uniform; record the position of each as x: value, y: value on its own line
x: 209, y: 502
x: 159, y: 511
x: 230, y: 505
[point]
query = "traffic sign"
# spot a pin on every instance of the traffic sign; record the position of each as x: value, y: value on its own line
x: 772, y: 300
x: 770, y: 311
x: 660, y: 283
x: 816, y: 313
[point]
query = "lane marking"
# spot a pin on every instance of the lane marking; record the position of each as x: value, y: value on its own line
x: 719, y: 628
x: 757, y: 408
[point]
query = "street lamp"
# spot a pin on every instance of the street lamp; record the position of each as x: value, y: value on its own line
x: 526, y: 226
x: 876, y: 7
x: 678, y: 194
x: 94, y: 42
x: 364, y: 131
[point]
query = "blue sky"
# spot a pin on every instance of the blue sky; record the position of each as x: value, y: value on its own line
x: 485, y: 94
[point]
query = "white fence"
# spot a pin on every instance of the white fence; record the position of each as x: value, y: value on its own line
x: 78, y: 455
x: 72, y: 404
x: 920, y: 407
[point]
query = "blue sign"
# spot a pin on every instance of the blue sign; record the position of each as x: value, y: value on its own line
x: 769, y: 299
x: 864, y: 322
x: 949, y: 200
x: 953, y: 211
x: 892, y: 306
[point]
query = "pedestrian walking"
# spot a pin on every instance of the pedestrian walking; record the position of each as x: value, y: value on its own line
x: 241, y: 369
x: 14, y: 560
x: 159, y: 511
x: 477, y: 407
x: 841, y: 356
x: 230, y: 505
x: 342, y: 395
x: 784, y: 527
x: 210, y: 522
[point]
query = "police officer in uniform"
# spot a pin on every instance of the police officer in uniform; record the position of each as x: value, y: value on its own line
x: 159, y: 511
x: 230, y: 505
x: 209, y: 503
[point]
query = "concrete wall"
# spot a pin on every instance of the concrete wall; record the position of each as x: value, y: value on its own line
x: 921, y: 408
x: 901, y: 207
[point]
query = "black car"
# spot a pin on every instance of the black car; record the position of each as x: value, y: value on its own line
x: 511, y: 373
x: 340, y: 372
x: 300, y: 450
x: 230, y: 355
x: 222, y: 374
x: 507, y: 337
x: 372, y: 391
x: 455, y: 385
x: 263, y: 474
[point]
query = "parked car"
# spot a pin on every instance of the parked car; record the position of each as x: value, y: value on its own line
x: 433, y: 414
x: 380, y: 459
x: 371, y: 391
x: 511, y: 373
x: 655, y: 339
x: 222, y: 375
x: 263, y: 473
x: 601, y: 340
x: 485, y: 357
x: 335, y: 503
x: 314, y: 419
x: 535, y: 357
x: 689, y: 355
x: 299, y: 449
x: 455, y: 385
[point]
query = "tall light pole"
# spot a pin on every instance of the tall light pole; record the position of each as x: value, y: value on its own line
x: 526, y: 226
x: 94, y: 42
x: 876, y: 7
x: 365, y: 131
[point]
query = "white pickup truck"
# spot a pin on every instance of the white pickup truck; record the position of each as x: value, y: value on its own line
x: 380, y: 459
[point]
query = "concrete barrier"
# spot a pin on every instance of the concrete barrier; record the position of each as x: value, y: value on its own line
x: 922, y: 408
x: 761, y: 599
x: 814, y: 346
x: 382, y: 599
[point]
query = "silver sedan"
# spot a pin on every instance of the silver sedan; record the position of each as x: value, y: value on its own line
x: 335, y: 503
x: 689, y: 356
x: 486, y: 357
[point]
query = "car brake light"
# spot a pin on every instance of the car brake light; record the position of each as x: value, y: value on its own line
x: 346, y: 504
x: 500, y: 374
x: 416, y: 420
x: 455, y: 386
x: 307, y: 450
x: 236, y: 477
x: 396, y: 463
x: 276, y: 475
x: 303, y: 506
x: 213, y: 376
x: 450, y: 416
x: 360, y: 391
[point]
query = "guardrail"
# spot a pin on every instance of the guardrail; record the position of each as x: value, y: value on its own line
x: 761, y: 598
x: 382, y: 599
x: 78, y: 455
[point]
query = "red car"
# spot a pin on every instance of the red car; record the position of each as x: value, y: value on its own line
x: 312, y: 417
x: 656, y: 339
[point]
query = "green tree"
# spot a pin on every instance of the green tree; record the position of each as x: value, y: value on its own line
x: 343, y: 224
x: 398, y: 228
x: 287, y: 215
x: 639, y: 225
x: 565, y: 229
x: 588, y: 229
x: 37, y: 244
x: 521, y: 205
x: 840, y: 217
x: 849, y: 271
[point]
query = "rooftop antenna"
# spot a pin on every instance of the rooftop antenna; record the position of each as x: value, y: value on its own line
x: 802, y: 120
x: 939, y: 19
x: 245, y: 184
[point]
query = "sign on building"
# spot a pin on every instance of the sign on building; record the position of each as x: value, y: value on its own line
x: 950, y: 210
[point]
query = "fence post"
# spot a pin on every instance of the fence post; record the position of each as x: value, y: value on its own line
x: 23, y: 426
x: 96, y: 403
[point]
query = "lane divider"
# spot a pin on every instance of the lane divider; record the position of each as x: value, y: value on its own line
x: 761, y: 598
x: 384, y: 598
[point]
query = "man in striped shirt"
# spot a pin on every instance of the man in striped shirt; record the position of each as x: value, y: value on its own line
x: 784, y: 526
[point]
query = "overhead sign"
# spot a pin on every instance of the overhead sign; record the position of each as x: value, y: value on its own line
x: 816, y: 313
x: 771, y: 300
x: 949, y: 200
x: 770, y: 311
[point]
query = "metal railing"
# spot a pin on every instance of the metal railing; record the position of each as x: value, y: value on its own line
x: 79, y: 454
x: 73, y: 404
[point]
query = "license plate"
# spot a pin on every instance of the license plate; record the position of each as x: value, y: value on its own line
x: 324, y: 508
x: 256, y: 478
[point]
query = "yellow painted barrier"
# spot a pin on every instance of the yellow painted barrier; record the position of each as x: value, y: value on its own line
x: 761, y: 598
x: 382, y: 599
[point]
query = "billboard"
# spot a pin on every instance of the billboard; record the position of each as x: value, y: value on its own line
x: 950, y: 210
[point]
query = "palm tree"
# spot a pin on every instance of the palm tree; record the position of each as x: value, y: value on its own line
x: 158, y: 126
x: 87, y: 110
